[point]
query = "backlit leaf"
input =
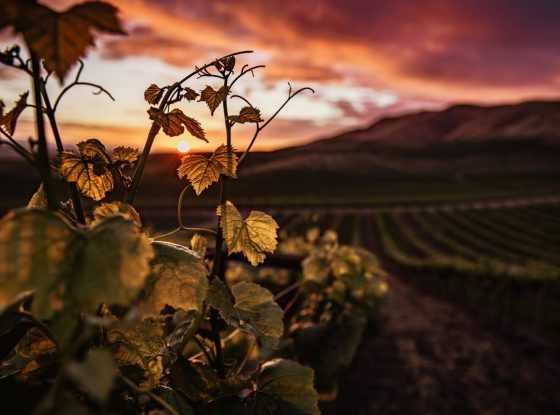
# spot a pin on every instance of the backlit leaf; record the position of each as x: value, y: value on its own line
x: 190, y: 94
x: 220, y: 298
x: 40, y: 250
x: 312, y: 234
x: 124, y: 154
x: 60, y: 38
x: 140, y: 345
x: 192, y: 125
x: 114, y: 263
x: 253, y: 309
x: 285, y: 387
x: 34, y: 344
x: 254, y: 237
x: 204, y: 171
x: 199, y: 244
x: 9, y: 120
x: 178, y: 279
x: 212, y: 97
x: 116, y: 208
x: 247, y: 114
x: 316, y: 268
x: 39, y: 198
x: 89, y: 169
x: 95, y: 375
x: 152, y: 94
x: 35, y: 254
x: 256, y: 305
x: 174, y: 123
x: 228, y: 62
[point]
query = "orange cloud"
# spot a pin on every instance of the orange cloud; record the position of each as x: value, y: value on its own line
x: 424, y: 56
x: 450, y: 51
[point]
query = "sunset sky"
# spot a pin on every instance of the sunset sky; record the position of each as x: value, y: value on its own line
x: 364, y: 58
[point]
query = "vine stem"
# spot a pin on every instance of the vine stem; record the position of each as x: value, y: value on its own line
x: 131, y: 194
x: 148, y: 392
x: 204, y: 351
x: 259, y: 127
x: 43, y: 156
x: 51, y: 115
x: 218, y: 266
x: 247, y: 356
x: 287, y: 290
x: 154, y: 129
x: 184, y: 228
x: 180, y: 205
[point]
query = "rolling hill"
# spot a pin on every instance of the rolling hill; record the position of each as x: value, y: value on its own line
x: 462, y: 139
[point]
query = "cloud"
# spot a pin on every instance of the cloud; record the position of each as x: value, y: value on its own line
x: 442, y: 49
x: 365, y: 58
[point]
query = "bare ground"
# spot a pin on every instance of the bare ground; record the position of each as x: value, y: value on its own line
x: 428, y: 356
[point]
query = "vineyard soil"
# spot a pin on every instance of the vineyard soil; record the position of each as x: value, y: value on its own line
x: 429, y: 356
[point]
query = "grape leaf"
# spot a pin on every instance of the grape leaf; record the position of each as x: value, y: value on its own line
x: 35, y: 246
x: 141, y: 345
x: 125, y: 210
x: 346, y: 262
x: 40, y: 250
x: 254, y: 236
x: 9, y: 120
x: 2, y: 105
x: 228, y: 62
x: 122, y: 154
x: 220, y: 298
x: 178, y: 279
x: 174, y: 123
x: 312, y: 234
x: 39, y: 198
x: 212, y: 97
x: 253, y: 309
x: 316, y: 267
x: 190, y: 94
x: 143, y: 342
x: 204, y: 171
x: 113, y: 264
x: 247, y: 114
x: 192, y: 125
x: 152, y: 94
x: 60, y: 38
x: 285, y: 387
x: 95, y: 375
x: 34, y: 344
x: 89, y: 169
x: 199, y: 244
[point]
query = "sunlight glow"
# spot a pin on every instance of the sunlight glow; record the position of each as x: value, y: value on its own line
x: 183, y: 146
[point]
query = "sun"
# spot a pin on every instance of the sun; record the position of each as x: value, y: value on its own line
x: 183, y: 146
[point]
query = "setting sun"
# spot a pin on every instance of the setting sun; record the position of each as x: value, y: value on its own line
x: 183, y: 146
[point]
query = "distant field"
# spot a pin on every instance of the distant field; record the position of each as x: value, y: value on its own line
x: 504, y: 261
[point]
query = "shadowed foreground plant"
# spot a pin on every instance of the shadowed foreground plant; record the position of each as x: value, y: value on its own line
x: 96, y: 315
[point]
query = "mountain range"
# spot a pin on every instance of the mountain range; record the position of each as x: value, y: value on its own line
x: 462, y: 139
x: 462, y: 150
